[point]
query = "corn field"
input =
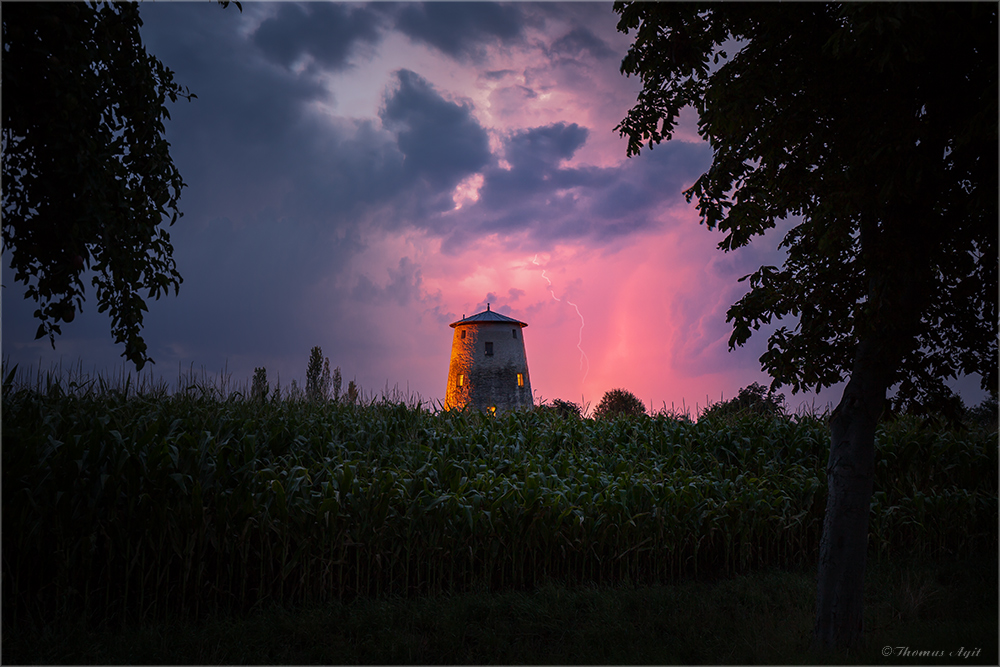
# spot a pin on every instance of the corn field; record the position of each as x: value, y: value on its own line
x: 120, y: 505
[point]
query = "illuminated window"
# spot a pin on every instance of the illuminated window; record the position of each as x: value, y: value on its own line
x: 492, y: 409
x: 514, y: 331
x: 489, y: 349
x: 461, y: 380
x: 463, y: 333
x: 520, y: 379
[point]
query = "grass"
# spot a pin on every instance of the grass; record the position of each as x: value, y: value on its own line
x: 158, y: 509
x: 761, y: 618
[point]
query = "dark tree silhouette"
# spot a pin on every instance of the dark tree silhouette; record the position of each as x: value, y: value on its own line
x: 619, y: 402
x: 87, y: 175
x: 566, y: 409
x: 876, y: 125
x: 754, y: 399
x: 318, y: 380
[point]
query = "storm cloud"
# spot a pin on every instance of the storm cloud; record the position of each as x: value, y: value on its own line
x: 326, y: 32
x: 440, y: 140
x: 461, y: 29
x: 360, y: 175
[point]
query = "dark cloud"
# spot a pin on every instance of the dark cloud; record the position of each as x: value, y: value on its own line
x: 344, y: 173
x: 326, y: 31
x: 541, y: 148
x: 631, y: 197
x: 232, y: 143
x: 440, y: 140
x: 279, y: 198
x: 549, y: 202
x: 534, y: 156
x: 580, y: 41
x: 461, y: 29
x: 651, y: 180
x: 252, y: 142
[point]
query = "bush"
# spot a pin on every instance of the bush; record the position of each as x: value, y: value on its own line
x: 619, y: 402
x: 984, y: 414
x: 943, y: 410
x: 564, y: 409
x: 755, y: 399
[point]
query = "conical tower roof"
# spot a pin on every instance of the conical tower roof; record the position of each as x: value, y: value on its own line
x: 488, y: 316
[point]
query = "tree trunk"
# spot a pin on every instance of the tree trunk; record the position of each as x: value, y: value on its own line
x: 850, y: 479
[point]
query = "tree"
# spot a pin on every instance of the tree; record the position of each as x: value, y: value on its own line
x: 353, y: 392
x: 259, y: 388
x: 317, y: 376
x: 619, y: 402
x: 87, y: 175
x: 753, y: 399
x: 336, y: 383
x: 876, y: 125
x: 984, y: 414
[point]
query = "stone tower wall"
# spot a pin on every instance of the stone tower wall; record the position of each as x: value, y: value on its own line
x: 488, y: 381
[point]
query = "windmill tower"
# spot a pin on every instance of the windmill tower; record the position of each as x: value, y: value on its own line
x: 488, y: 369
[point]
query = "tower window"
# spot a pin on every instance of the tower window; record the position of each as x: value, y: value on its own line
x: 520, y: 379
x: 489, y: 349
x: 463, y: 333
x: 461, y: 380
x: 514, y: 331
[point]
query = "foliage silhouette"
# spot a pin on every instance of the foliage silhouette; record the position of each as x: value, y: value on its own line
x: 259, y: 387
x: 318, y: 376
x: 753, y: 399
x: 875, y: 124
x: 619, y: 402
x: 565, y: 409
x: 87, y: 175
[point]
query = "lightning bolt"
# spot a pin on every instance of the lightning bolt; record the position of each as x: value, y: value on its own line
x: 579, y: 344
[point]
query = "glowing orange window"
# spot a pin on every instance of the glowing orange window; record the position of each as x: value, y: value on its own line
x: 520, y: 379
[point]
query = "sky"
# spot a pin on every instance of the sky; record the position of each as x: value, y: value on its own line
x: 359, y: 176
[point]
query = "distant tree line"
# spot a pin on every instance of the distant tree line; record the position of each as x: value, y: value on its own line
x: 756, y: 399
x: 322, y: 385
